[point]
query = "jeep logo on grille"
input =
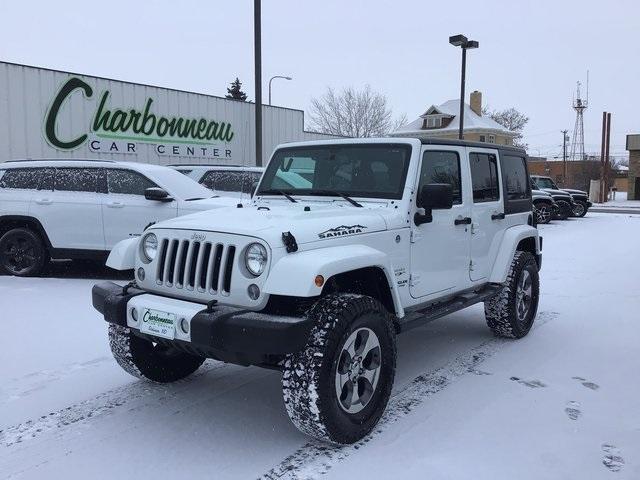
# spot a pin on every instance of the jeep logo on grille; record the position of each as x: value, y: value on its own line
x: 199, y: 237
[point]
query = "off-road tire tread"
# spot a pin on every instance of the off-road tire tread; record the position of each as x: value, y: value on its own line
x: 300, y: 380
x: 499, y: 310
x: 141, y: 363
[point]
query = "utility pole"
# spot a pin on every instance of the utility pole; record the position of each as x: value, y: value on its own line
x: 257, y: 54
x: 564, y: 156
x: 604, y: 156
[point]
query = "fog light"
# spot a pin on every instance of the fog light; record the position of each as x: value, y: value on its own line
x: 184, y: 325
x: 141, y: 274
x: 134, y: 314
x: 253, y: 291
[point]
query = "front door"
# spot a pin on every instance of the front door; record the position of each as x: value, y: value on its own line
x: 125, y: 210
x: 440, y: 249
x: 488, y: 211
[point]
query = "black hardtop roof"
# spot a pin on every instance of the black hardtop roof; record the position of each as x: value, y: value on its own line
x: 466, y: 143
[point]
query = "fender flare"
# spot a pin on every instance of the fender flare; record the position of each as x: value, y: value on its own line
x: 123, y: 254
x: 294, y: 274
x: 510, y: 240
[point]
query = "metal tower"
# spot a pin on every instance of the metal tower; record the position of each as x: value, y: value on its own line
x: 577, y: 142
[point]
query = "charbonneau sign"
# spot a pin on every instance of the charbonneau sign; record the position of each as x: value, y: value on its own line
x: 121, y: 128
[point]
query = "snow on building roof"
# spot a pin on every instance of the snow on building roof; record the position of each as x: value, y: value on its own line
x: 472, y: 121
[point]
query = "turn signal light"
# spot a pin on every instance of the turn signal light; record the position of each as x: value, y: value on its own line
x: 319, y: 281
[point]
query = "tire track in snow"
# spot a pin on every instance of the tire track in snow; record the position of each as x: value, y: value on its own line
x: 316, y: 458
x: 98, y: 406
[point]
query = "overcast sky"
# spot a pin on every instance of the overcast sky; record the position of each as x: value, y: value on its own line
x: 531, y: 52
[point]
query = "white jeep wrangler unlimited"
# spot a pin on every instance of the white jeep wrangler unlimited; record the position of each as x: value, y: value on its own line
x: 317, y: 282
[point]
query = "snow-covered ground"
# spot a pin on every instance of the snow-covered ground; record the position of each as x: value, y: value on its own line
x: 561, y: 403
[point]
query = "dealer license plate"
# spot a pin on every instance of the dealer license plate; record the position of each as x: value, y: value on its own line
x: 160, y: 324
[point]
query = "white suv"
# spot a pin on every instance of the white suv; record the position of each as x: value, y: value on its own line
x: 82, y: 208
x: 225, y: 180
x: 317, y: 281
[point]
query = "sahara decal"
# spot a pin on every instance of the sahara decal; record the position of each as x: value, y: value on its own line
x: 342, y: 231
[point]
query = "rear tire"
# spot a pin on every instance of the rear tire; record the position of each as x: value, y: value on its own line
x: 580, y: 209
x: 22, y: 253
x: 511, y: 312
x: 337, y: 388
x: 141, y: 358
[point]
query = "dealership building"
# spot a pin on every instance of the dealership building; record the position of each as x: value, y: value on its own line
x: 53, y: 114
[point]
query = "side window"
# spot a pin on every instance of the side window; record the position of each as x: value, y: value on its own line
x: 76, y: 179
x: 209, y: 180
x: 442, y: 167
x: 127, y: 182
x: 514, y: 174
x: 250, y: 182
x: 21, y: 178
x: 484, y: 176
x: 228, y: 181
x: 47, y: 180
x: 185, y: 172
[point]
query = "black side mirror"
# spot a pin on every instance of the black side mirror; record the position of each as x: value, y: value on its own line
x: 157, y: 194
x: 433, y: 196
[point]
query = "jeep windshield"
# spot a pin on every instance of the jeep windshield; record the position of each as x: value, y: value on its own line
x: 358, y: 170
x: 544, y: 182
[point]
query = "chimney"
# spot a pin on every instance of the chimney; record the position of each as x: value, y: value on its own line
x: 476, y: 102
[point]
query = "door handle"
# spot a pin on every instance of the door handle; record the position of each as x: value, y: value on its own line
x: 497, y: 216
x: 115, y: 204
x: 43, y: 201
x: 462, y: 221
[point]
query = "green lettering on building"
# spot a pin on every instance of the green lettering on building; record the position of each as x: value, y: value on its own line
x: 143, y: 125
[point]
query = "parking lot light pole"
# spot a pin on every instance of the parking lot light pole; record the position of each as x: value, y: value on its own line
x: 257, y: 54
x: 271, y: 79
x: 464, y: 43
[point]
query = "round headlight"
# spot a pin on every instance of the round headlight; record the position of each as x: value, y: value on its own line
x: 255, y: 259
x: 150, y: 247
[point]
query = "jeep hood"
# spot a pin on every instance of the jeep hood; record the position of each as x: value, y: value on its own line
x: 573, y: 191
x: 317, y: 224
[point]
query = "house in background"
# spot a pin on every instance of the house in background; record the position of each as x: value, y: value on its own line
x: 442, y: 121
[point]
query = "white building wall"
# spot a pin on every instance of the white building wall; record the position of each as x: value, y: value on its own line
x: 27, y: 93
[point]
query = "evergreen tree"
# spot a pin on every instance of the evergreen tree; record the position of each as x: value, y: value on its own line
x: 234, y: 92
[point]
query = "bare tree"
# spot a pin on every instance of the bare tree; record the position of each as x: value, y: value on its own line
x: 353, y: 113
x: 512, y: 120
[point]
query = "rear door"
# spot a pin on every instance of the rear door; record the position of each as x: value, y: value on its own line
x: 68, y: 206
x: 488, y: 213
x: 125, y: 210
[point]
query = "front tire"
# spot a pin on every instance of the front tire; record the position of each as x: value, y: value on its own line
x: 543, y: 212
x: 22, y: 253
x: 564, y: 210
x: 337, y: 388
x: 511, y: 312
x: 144, y: 359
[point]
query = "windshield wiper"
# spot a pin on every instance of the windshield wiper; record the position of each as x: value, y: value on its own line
x: 281, y: 192
x: 339, y: 194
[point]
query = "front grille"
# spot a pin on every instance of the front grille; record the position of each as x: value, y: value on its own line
x: 192, y: 265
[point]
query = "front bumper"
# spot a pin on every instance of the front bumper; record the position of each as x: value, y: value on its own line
x: 225, y: 333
